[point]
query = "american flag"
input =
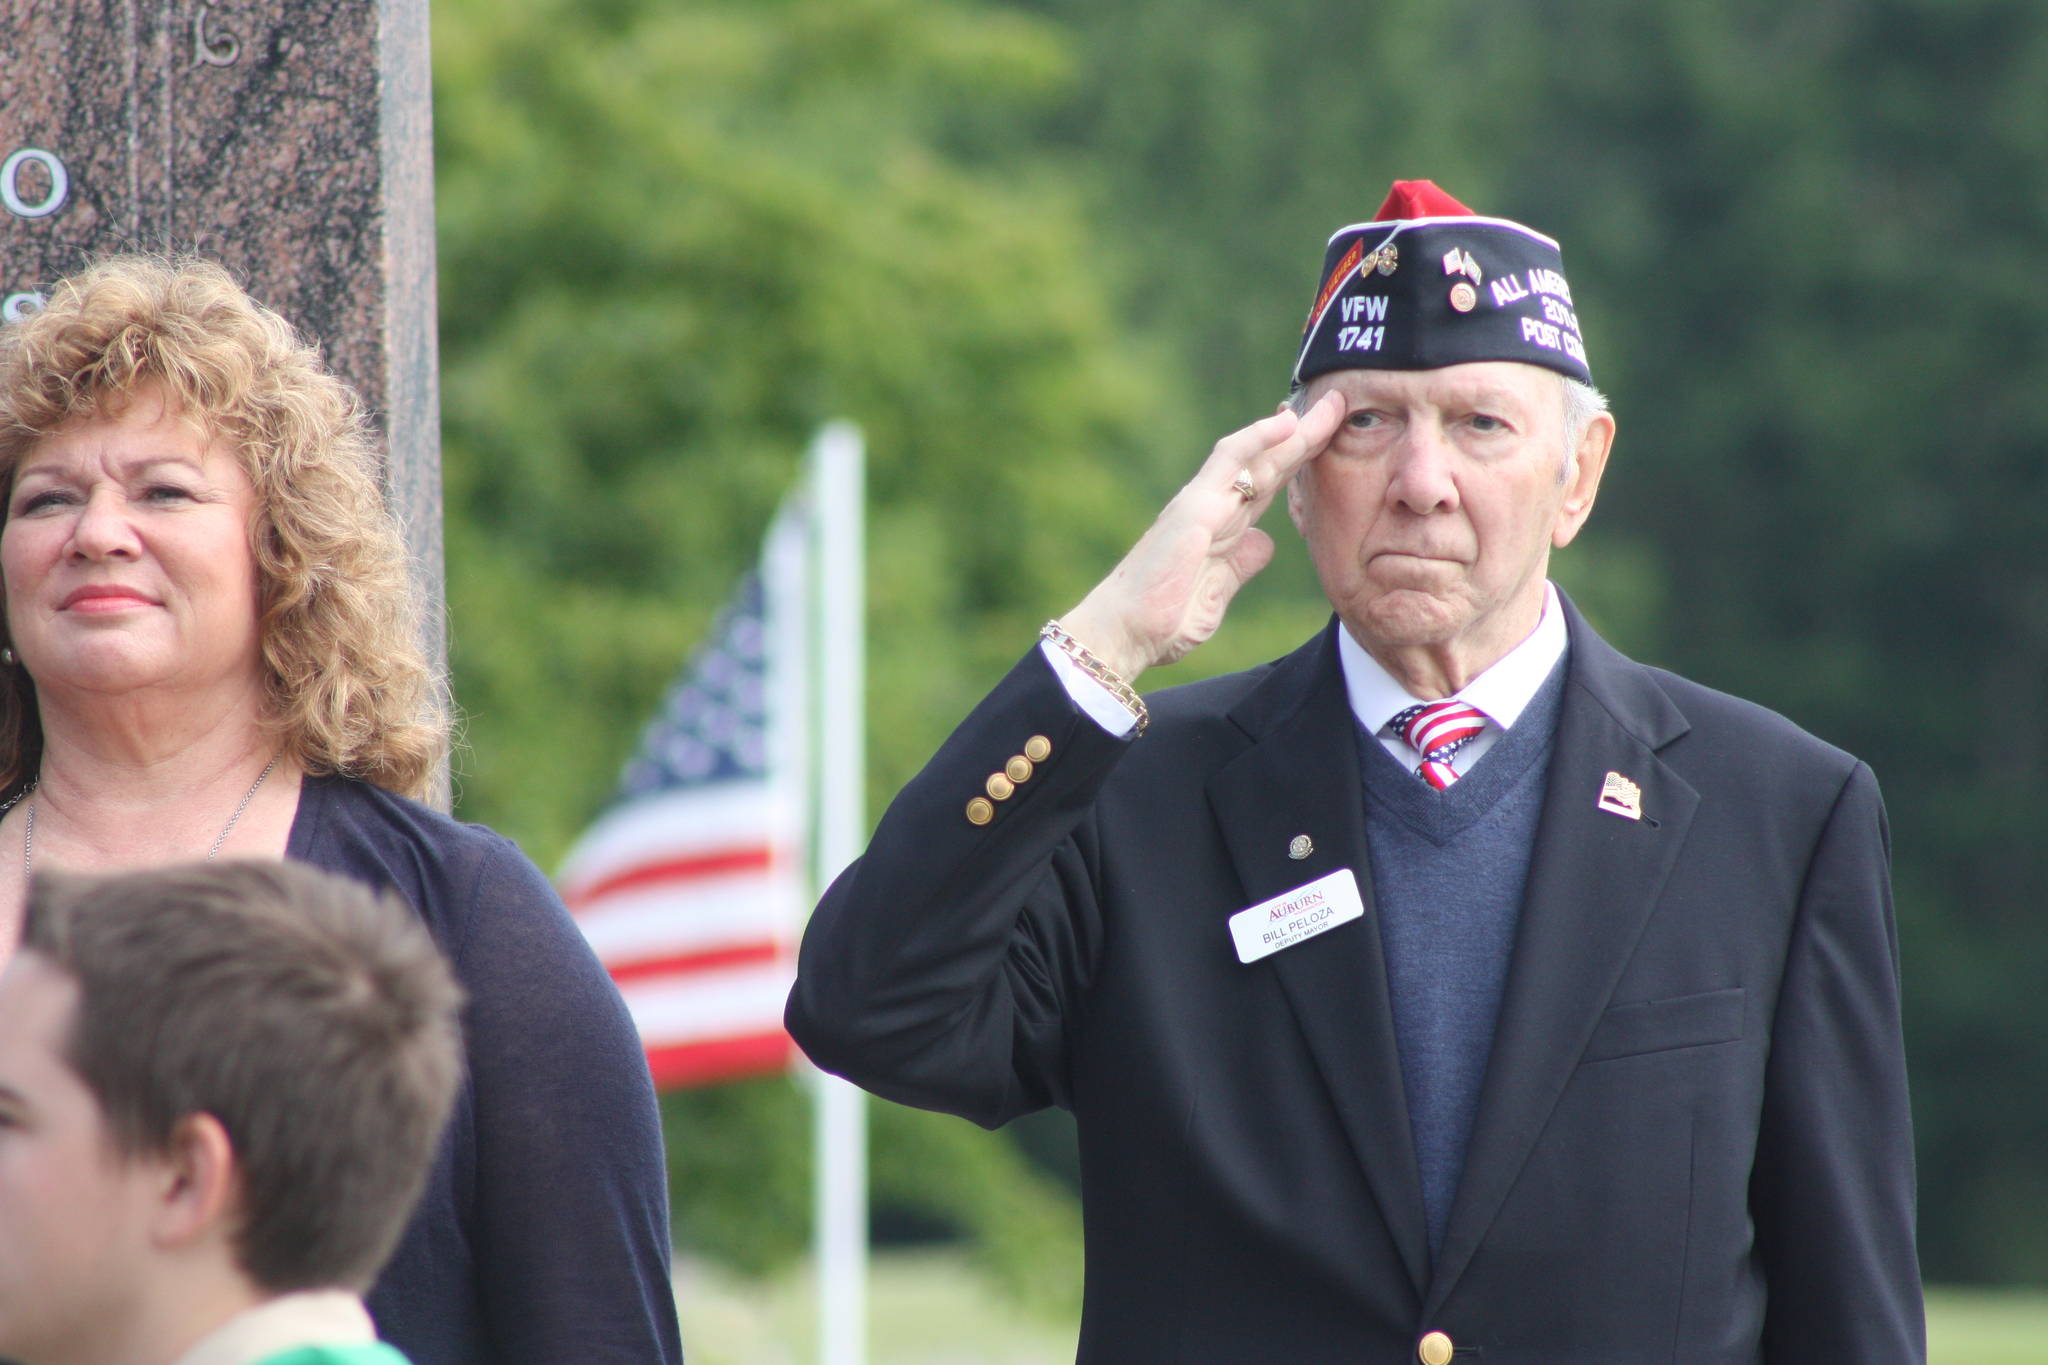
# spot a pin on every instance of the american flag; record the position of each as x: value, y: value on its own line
x: 690, y: 887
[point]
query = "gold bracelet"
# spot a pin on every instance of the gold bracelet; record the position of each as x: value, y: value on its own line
x: 1098, y: 670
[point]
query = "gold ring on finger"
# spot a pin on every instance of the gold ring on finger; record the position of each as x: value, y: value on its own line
x: 1246, y: 489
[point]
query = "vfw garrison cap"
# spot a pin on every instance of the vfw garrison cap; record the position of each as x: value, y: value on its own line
x: 1430, y: 283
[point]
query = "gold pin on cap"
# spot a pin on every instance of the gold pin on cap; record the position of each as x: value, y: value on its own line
x: 1464, y: 297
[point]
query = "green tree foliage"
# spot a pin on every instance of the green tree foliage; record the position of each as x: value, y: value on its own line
x: 674, y: 241
x: 740, y: 1167
x: 1842, y: 469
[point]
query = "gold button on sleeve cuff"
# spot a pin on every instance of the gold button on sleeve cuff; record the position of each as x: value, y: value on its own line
x: 1000, y: 787
x: 1434, y: 1348
x: 1038, y: 748
x: 1018, y: 769
x: 980, y: 811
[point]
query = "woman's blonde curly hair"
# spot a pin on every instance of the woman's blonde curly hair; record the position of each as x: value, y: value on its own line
x: 348, y: 686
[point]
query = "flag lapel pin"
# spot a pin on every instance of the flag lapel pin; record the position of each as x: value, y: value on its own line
x: 1619, y: 796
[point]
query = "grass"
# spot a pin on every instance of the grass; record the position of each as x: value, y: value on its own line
x: 1987, y: 1327
x: 933, y: 1308
x: 924, y: 1308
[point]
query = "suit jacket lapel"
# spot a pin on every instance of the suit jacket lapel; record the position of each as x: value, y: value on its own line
x: 1300, y: 776
x: 1593, y: 878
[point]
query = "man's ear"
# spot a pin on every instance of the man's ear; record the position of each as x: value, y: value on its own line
x: 1297, y: 506
x: 1582, y: 482
x: 199, y: 1186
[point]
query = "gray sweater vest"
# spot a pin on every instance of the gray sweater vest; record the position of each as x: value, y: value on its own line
x: 1448, y: 870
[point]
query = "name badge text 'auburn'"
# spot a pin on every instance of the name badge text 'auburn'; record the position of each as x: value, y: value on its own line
x: 1296, y: 916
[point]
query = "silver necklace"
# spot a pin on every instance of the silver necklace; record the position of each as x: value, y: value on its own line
x: 28, y: 833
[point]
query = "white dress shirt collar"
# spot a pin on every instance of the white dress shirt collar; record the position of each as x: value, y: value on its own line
x: 1503, y: 691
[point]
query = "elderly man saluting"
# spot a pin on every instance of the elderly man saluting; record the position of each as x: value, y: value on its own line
x: 1453, y: 988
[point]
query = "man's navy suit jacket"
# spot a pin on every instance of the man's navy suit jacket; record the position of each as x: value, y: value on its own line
x: 1692, y: 1144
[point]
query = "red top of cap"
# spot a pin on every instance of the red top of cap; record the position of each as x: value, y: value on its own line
x: 1419, y: 199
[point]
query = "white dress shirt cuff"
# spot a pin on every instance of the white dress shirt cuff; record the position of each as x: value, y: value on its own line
x: 1091, y: 696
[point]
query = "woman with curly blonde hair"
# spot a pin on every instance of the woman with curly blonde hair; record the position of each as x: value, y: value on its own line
x: 211, y: 645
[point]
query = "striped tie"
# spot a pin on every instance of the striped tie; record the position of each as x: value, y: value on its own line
x: 1438, y: 729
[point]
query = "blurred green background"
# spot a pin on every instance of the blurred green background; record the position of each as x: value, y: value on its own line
x: 1045, y: 253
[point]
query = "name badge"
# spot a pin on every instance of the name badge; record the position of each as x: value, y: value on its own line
x: 1296, y: 916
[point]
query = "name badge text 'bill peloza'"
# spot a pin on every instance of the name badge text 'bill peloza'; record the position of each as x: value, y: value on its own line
x: 1296, y: 916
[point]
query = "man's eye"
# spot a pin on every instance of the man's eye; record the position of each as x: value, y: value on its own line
x: 1362, y: 419
x: 1482, y: 422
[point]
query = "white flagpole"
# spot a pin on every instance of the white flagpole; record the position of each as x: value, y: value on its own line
x: 838, y: 481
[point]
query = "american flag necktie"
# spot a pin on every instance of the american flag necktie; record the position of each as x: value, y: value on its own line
x: 1437, y: 730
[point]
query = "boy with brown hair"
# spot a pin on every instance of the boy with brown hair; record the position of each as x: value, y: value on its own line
x: 220, y: 1088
